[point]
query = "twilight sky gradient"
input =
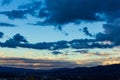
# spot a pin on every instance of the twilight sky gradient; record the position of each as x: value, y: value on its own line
x: 47, y: 34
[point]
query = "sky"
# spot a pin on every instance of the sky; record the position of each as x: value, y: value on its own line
x: 49, y: 34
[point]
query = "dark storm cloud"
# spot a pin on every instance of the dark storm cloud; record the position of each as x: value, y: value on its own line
x: 111, y: 32
x: 66, y: 11
x: 85, y: 30
x: 58, y: 12
x: 6, y: 25
x: 1, y: 34
x: 19, y: 38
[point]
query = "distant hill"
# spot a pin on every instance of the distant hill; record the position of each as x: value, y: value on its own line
x: 110, y: 72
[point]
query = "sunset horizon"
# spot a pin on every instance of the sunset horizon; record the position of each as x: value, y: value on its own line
x: 50, y: 34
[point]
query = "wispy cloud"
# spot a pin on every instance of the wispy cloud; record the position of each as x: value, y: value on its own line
x: 35, y: 63
x: 2, y: 24
x: 99, y: 61
x: 50, y: 64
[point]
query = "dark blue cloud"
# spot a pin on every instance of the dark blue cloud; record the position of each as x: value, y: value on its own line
x: 5, y: 2
x: 66, y: 11
x: 82, y: 51
x: 56, y: 52
x: 19, y: 38
x: 74, y: 44
x: 111, y: 32
x: 11, y: 43
x: 6, y: 24
x: 60, y: 12
x: 16, y: 14
x: 14, y: 42
x: 1, y: 34
x: 85, y: 30
x: 22, y: 10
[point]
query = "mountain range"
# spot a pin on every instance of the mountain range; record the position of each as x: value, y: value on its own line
x: 109, y: 72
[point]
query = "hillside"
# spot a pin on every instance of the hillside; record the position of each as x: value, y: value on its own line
x: 111, y: 72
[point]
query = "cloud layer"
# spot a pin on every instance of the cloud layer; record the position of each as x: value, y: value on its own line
x: 50, y: 64
x: 66, y: 11
x: 20, y: 41
x: 62, y: 12
x: 35, y: 63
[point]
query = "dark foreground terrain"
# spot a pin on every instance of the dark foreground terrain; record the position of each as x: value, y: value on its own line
x: 111, y: 72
